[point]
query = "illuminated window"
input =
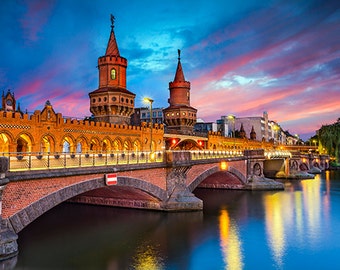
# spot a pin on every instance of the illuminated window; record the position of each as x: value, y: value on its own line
x: 113, y: 74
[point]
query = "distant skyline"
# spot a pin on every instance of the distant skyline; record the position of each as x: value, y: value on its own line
x: 241, y: 57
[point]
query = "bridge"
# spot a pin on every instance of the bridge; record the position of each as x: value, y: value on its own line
x: 33, y: 183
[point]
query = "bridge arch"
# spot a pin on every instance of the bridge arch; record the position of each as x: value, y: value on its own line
x: 33, y: 210
x: 142, y: 185
x: 204, y: 175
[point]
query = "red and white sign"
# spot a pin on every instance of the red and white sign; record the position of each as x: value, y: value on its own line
x: 111, y: 179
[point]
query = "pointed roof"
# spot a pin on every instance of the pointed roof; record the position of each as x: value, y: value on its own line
x: 179, y: 76
x: 112, y: 48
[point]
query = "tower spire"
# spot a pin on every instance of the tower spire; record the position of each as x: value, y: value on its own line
x: 112, y: 47
x: 179, y: 76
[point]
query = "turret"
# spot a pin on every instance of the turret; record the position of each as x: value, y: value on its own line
x: 179, y: 117
x: 112, y: 102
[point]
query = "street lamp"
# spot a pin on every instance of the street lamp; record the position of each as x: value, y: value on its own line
x: 149, y: 100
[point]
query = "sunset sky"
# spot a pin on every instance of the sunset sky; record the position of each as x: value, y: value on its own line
x: 241, y: 57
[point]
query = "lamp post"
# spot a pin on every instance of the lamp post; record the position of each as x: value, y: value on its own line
x: 149, y: 100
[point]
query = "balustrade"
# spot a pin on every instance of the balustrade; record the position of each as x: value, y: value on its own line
x: 43, y: 161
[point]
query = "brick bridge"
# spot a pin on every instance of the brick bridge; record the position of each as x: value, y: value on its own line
x: 163, y: 182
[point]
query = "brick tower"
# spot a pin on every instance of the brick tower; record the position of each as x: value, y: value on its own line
x: 112, y: 102
x: 179, y: 117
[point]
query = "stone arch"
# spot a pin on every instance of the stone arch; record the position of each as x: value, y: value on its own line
x: 47, y: 143
x: 117, y: 144
x: 68, y: 144
x: 41, y: 206
x: 24, y: 142
x: 189, y: 144
x: 136, y: 146
x: 200, y: 178
x: 257, y: 169
x: 142, y: 185
x: 106, y: 144
x: 294, y: 165
x: 127, y: 145
x: 303, y: 166
x: 82, y: 143
x: 95, y: 144
x: 6, y: 139
x: 45, y: 203
x: 316, y: 164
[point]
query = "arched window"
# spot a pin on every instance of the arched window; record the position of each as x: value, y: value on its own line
x: 113, y: 74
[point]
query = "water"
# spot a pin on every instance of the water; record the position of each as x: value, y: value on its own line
x: 298, y: 228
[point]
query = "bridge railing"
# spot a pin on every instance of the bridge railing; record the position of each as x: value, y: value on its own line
x: 277, y: 154
x: 210, y: 154
x: 43, y: 161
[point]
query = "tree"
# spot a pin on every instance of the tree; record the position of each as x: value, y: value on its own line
x: 329, y: 137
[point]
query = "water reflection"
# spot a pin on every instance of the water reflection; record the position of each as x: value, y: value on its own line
x: 230, y: 242
x: 275, y: 227
x: 294, y: 215
x: 148, y: 258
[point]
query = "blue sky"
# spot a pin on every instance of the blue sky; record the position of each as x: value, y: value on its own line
x: 241, y: 57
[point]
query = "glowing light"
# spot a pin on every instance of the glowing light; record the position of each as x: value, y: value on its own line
x: 224, y: 166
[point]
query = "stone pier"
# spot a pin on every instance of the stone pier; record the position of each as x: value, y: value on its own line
x: 8, y: 239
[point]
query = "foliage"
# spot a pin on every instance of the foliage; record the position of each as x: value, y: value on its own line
x: 329, y: 137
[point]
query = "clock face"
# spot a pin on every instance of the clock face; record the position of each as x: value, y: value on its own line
x: 9, y: 102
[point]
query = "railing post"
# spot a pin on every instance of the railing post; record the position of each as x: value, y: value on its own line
x: 8, y: 239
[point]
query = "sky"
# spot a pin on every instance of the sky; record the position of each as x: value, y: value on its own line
x: 241, y: 57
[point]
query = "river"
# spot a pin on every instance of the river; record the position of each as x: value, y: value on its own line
x: 298, y: 228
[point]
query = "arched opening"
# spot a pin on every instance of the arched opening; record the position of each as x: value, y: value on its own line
x: 113, y: 74
x: 257, y: 170
x: 136, y: 145
x: 82, y: 145
x: 47, y: 144
x: 176, y: 144
x: 95, y: 145
x: 68, y: 145
x: 127, y: 145
x: 117, y: 145
x: 24, y: 143
x: 106, y: 145
x: 4, y: 143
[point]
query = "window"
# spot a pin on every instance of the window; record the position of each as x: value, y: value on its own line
x: 113, y: 74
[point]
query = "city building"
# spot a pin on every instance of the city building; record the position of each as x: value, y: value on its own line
x: 255, y: 128
x: 142, y: 114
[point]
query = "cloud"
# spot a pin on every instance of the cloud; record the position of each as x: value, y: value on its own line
x: 36, y: 16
